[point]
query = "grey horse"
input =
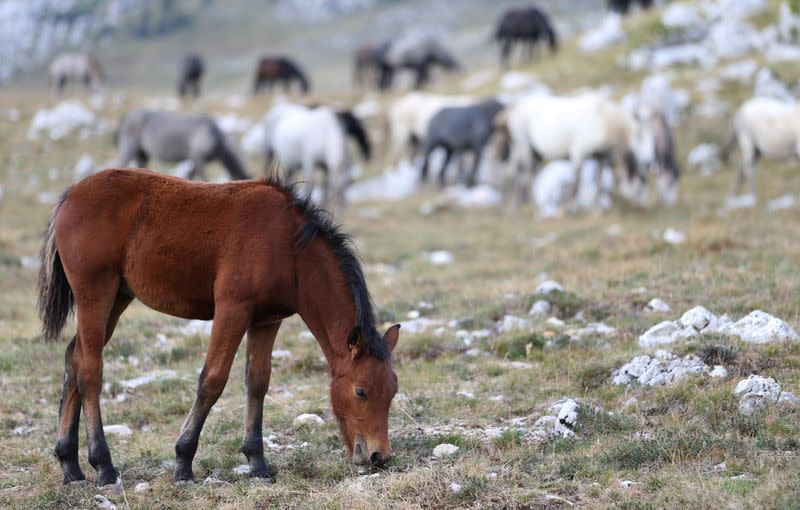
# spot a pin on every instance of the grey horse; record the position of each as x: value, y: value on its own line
x: 460, y: 129
x: 175, y: 137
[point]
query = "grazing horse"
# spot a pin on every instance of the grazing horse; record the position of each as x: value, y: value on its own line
x: 79, y: 67
x: 175, y: 137
x: 407, y: 120
x: 526, y: 25
x: 192, y: 70
x: 245, y: 254
x: 272, y: 69
x: 762, y: 126
x: 303, y: 138
x: 655, y: 138
x: 460, y: 129
x: 417, y: 51
x: 368, y: 59
x: 623, y: 6
x: 543, y: 127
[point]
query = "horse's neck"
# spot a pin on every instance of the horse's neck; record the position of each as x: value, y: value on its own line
x: 324, y: 301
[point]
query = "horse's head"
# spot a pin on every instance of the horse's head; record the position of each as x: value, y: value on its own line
x: 360, y: 398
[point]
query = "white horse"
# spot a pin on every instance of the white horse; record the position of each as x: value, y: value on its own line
x: 541, y: 128
x: 79, y: 67
x: 407, y: 120
x: 303, y: 138
x: 763, y: 127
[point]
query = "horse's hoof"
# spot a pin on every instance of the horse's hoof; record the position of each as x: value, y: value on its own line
x: 108, y: 476
x: 183, y: 476
x: 75, y: 483
x: 268, y: 475
x: 74, y: 475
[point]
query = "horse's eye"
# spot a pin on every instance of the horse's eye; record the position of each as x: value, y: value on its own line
x: 360, y: 393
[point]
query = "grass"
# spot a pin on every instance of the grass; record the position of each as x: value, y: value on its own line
x: 667, y: 440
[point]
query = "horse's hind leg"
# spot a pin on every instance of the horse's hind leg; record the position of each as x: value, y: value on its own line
x: 230, y: 324
x: 260, y: 341
x: 69, y: 411
x: 443, y: 171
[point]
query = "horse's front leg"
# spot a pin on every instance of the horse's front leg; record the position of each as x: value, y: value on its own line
x: 260, y: 341
x: 231, y: 321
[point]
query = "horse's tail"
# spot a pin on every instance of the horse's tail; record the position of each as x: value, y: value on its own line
x: 725, y: 152
x: 355, y: 129
x: 228, y: 157
x: 56, y: 301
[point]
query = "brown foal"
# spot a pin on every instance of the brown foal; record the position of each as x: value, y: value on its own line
x: 246, y: 254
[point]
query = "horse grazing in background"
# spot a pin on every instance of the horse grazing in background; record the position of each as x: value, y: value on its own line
x: 303, y: 138
x: 245, y: 254
x: 175, y: 137
x: 459, y: 129
x: 78, y: 67
x: 655, y: 138
x: 542, y: 127
x: 368, y: 59
x: 762, y: 126
x: 407, y: 120
x: 624, y: 6
x: 417, y: 51
x: 527, y: 25
x: 272, y: 69
x: 192, y: 69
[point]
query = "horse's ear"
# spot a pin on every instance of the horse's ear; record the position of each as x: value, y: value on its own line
x: 354, y: 342
x: 392, y: 335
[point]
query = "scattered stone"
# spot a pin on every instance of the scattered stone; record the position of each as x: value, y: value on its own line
x: 196, y: 328
x: 705, y: 158
x: 760, y: 328
x: 662, y: 333
x: 741, y: 202
x: 568, y: 414
x: 540, y: 307
x: 782, y: 202
x: 420, y: 325
x: 281, y: 354
x: 744, y: 477
x: 445, y: 450
x: 156, y: 375
x: 555, y: 322
x: 722, y: 466
x: 465, y: 394
x: 104, y: 503
x: 719, y: 372
x: 672, y: 236
x: 441, y: 257
x: 591, y: 329
x: 394, y: 184
x: 212, y: 480
x: 757, y: 392
x: 61, y: 120
x: 680, y: 15
x: 660, y: 369
x: 308, y: 419
x: 607, y: 34
x: 142, y: 487
x: 626, y: 484
x: 512, y: 322
x: 558, y: 499
x: 657, y: 305
x: 741, y: 71
x: 242, y: 469
x: 117, y: 430
x: 83, y: 166
x: 546, y: 287
x: 476, y: 197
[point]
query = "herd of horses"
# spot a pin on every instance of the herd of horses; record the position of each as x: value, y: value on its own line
x: 261, y: 251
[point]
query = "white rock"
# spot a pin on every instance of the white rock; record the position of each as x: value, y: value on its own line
x: 465, y: 394
x: 626, y: 484
x: 705, y: 158
x: 662, y: 333
x: 741, y: 202
x: 699, y: 318
x: 308, y: 419
x: 104, y: 503
x: 441, y: 257
x: 60, y: 121
x: 142, y: 487
x: 156, y: 375
x: 83, y: 166
x: 512, y: 323
x: 768, y: 85
x: 480, y: 196
x: 608, y: 33
x: 568, y: 415
x: 212, y: 480
x: 722, y: 466
x: 681, y: 15
x: 663, y: 368
x: 552, y: 427
x: 540, y: 307
x: 783, y: 52
x: 719, y: 372
x: 672, y: 236
x: 782, y: 202
x: 591, y: 329
x: 555, y: 322
x: 242, y: 469
x: 196, y: 328
x: 394, y: 184
x: 554, y: 182
x: 281, y: 354
x: 420, y: 325
x: 558, y: 499
x: 546, y: 287
x: 730, y: 38
x: 788, y: 398
x: 657, y: 305
x: 117, y: 430
x: 760, y: 328
x: 682, y: 54
x: 445, y: 450
x: 741, y: 71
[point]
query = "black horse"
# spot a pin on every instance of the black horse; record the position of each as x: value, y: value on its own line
x: 192, y: 69
x: 272, y: 69
x: 460, y: 129
x: 416, y: 51
x: 526, y: 25
x: 623, y: 6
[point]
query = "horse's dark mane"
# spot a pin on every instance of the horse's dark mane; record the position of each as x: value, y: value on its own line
x: 319, y: 222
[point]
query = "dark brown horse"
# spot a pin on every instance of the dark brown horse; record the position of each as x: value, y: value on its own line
x: 272, y: 69
x: 192, y: 69
x: 247, y: 254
